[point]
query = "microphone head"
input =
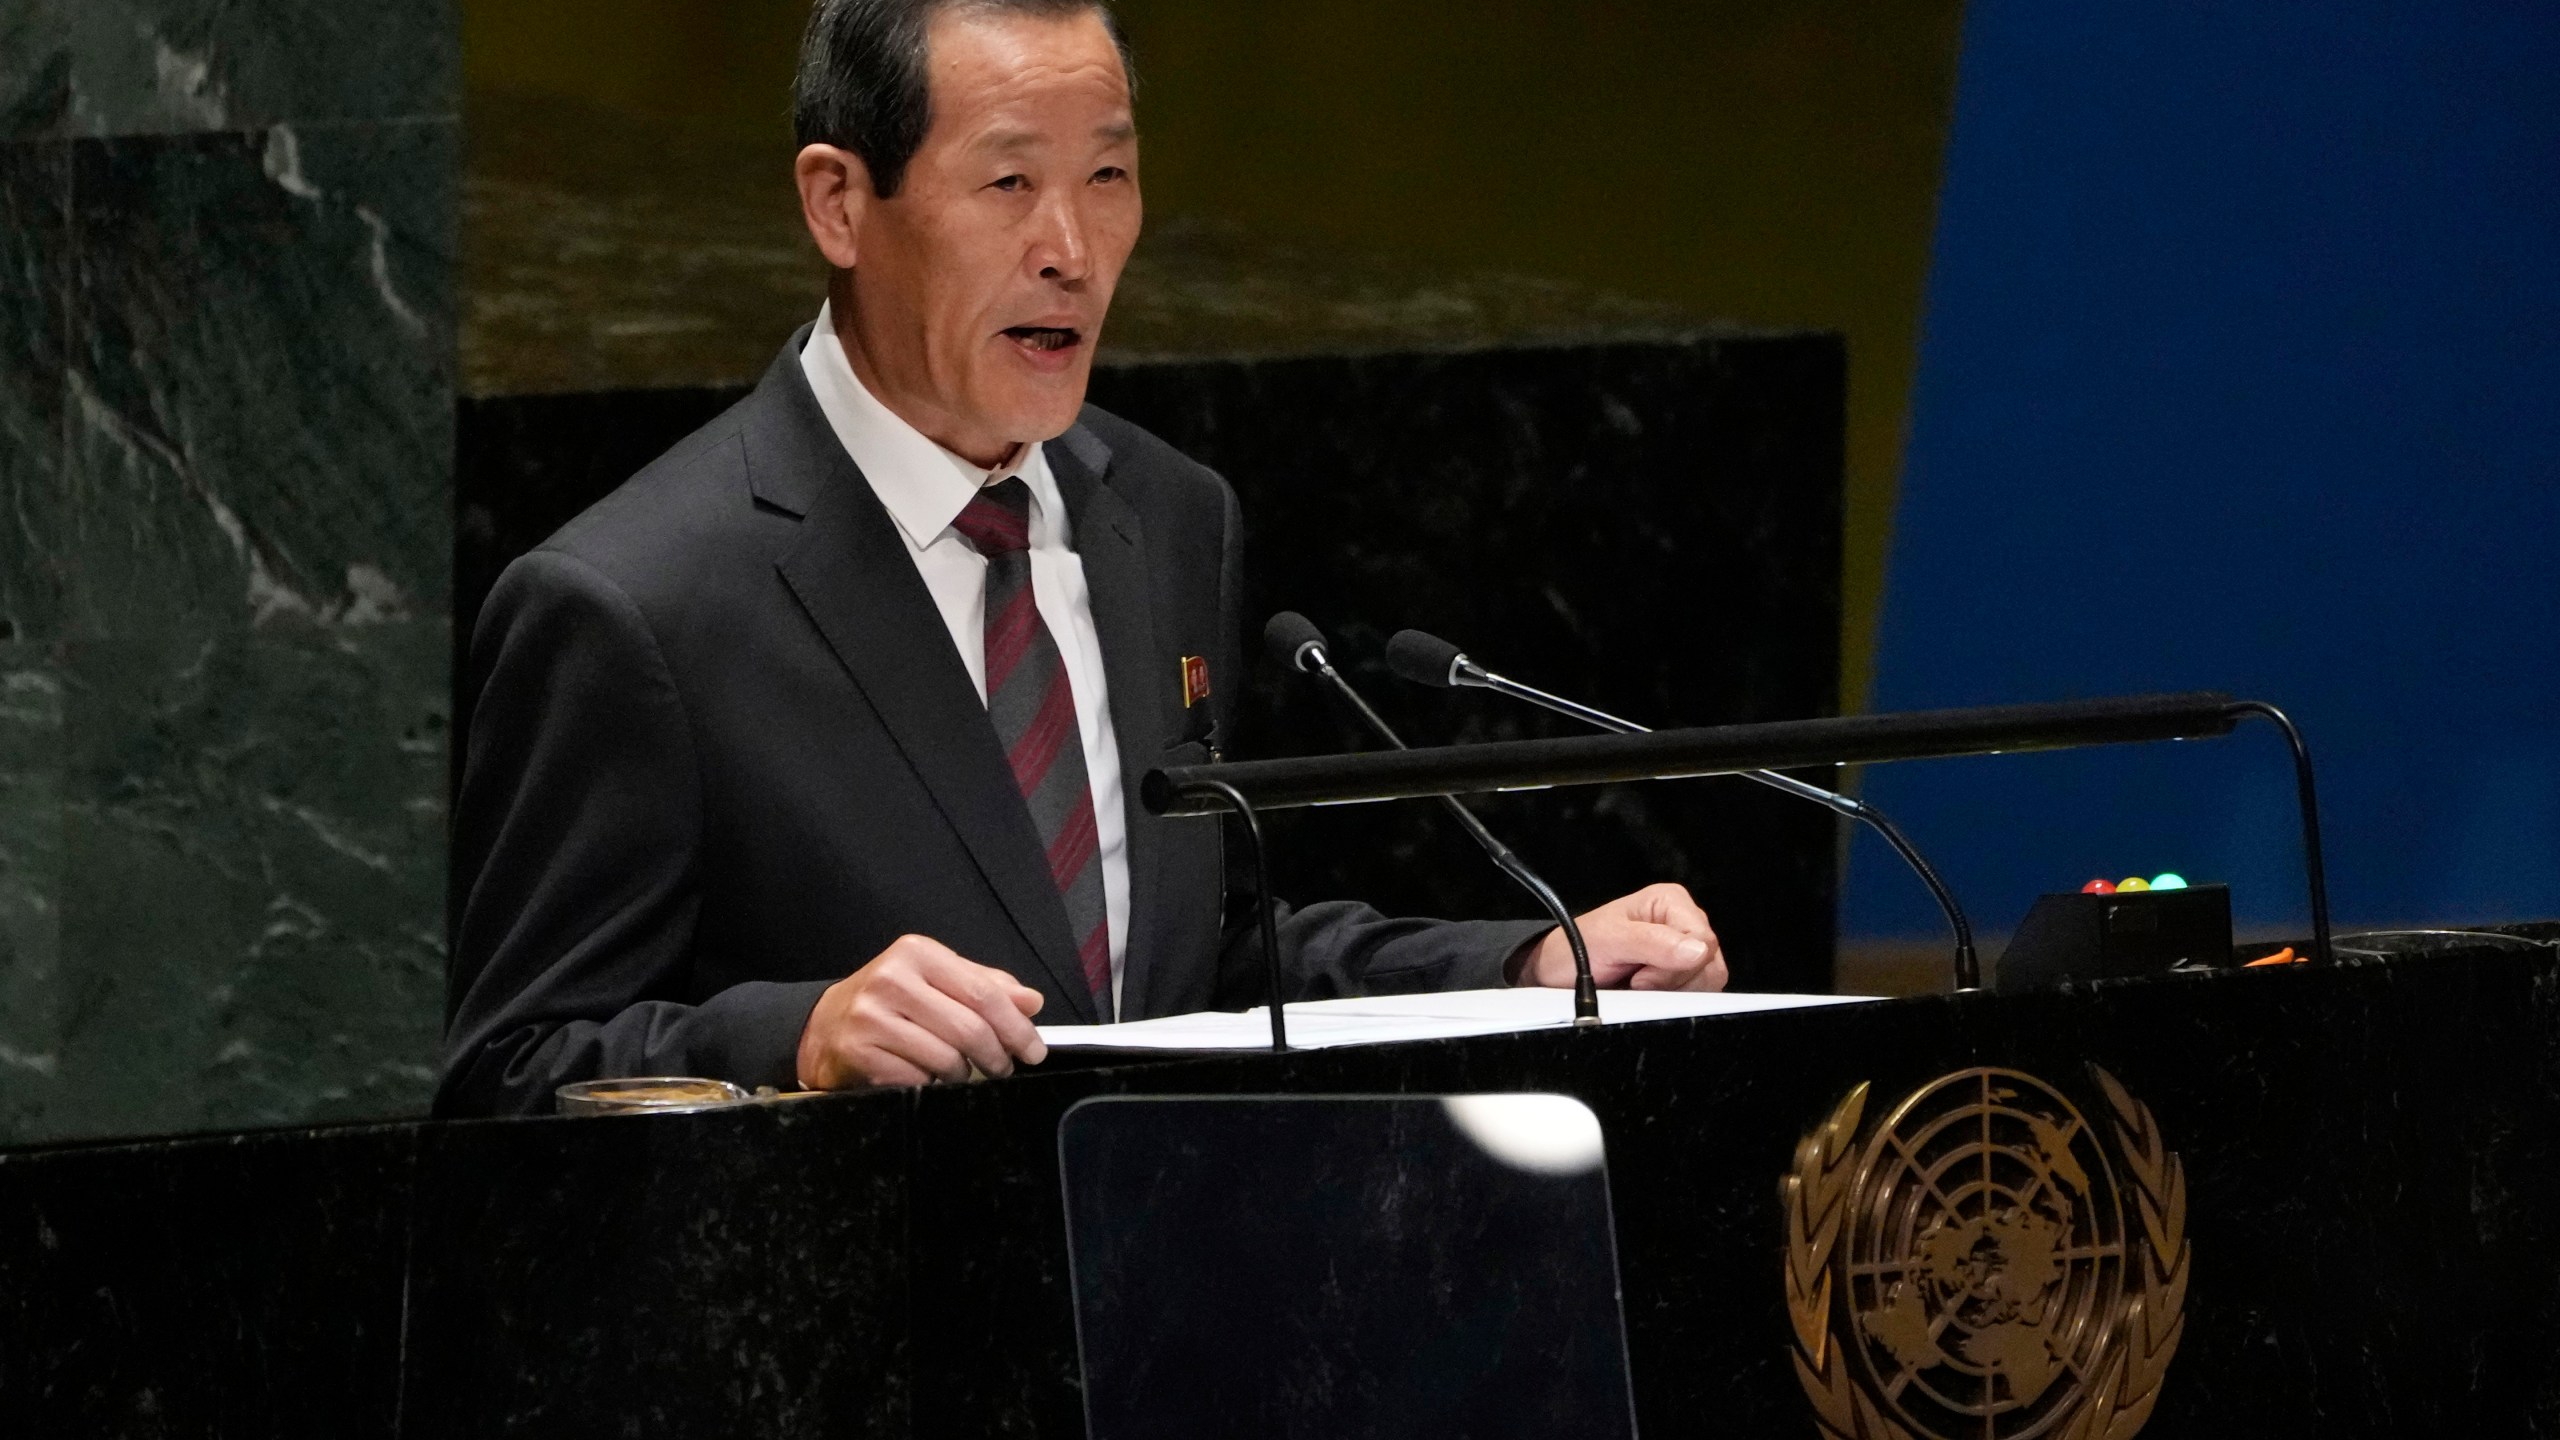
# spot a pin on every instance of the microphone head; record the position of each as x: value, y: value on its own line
x: 1290, y: 637
x: 1423, y: 659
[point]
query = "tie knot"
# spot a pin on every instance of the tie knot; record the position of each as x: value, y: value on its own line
x: 998, y: 518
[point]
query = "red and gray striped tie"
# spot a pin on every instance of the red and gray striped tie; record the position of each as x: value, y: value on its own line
x: 1034, y: 711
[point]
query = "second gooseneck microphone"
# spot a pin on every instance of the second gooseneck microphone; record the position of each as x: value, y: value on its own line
x: 1293, y: 640
x: 1430, y: 660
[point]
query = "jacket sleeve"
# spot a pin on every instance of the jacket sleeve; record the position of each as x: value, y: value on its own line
x: 576, y: 851
x: 1337, y: 947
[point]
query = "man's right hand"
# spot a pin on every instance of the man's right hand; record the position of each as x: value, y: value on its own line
x: 918, y: 1013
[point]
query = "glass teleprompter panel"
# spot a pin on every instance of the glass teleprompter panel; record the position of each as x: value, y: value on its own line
x: 1292, y: 1266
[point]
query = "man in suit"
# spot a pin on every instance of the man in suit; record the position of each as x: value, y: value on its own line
x: 808, y: 757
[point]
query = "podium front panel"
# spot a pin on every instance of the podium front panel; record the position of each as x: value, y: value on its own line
x: 1274, y: 1266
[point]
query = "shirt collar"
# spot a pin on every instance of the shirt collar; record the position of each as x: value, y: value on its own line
x: 923, y: 486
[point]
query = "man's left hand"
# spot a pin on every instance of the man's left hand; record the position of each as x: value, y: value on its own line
x: 1655, y: 939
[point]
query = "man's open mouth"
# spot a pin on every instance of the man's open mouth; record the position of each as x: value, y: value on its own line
x: 1043, y: 337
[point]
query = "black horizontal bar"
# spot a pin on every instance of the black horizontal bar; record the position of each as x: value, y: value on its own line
x: 1672, y: 754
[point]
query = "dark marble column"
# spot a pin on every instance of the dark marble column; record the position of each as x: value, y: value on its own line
x: 226, y: 339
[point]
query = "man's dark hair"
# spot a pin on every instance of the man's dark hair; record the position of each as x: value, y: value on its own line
x: 862, y: 84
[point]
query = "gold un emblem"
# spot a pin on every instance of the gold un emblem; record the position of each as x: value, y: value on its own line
x: 1975, y: 1269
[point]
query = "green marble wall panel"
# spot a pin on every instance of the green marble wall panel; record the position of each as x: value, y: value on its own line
x: 125, y: 67
x: 252, y: 878
x: 34, y: 280
x: 258, y: 403
x: 31, y: 775
x: 35, y: 67
x: 226, y: 338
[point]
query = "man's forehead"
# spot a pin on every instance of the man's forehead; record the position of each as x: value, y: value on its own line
x: 1006, y: 82
x: 1007, y: 138
x: 1003, y: 47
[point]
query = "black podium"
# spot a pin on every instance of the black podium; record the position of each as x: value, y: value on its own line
x: 2318, y: 1201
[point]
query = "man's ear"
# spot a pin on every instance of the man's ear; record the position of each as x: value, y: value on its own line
x: 835, y: 193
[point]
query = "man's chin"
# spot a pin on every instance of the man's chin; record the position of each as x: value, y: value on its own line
x: 1042, y: 413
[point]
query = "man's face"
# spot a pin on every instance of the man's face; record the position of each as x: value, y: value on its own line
x: 980, y: 287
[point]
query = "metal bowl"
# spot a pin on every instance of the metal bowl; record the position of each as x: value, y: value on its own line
x: 649, y: 1095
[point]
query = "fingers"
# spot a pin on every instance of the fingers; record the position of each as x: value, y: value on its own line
x: 1618, y: 952
x: 1665, y: 959
x: 887, y: 1072
x: 1612, y: 961
x: 1692, y: 964
x: 983, y: 1011
x: 1671, y: 905
x: 986, y: 1028
x: 961, y: 1028
x: 916, y: 1013
x: 1624, y: 953
x: 898, y: 1039
x: 1689, y: 968
x: 1655, y: 939
x: 1662, y: 941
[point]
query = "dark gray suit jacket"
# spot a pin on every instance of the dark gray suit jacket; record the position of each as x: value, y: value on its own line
x: 722, y: 752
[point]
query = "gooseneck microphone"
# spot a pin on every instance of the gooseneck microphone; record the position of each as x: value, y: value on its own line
x: 1293, y: 640
x: 1430, y: 660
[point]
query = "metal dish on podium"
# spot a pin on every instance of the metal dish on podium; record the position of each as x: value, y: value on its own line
x: 650, y: 1095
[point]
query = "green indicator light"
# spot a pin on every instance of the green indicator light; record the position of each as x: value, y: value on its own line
x: 2170, y: 880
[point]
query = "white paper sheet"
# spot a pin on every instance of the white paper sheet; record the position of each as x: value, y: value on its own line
x: 1384, y: 1019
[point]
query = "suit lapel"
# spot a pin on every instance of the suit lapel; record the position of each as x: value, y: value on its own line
x: 853, y: 575
x: 1112, y: 546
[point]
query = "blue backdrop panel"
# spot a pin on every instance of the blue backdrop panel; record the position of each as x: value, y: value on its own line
x: 2241, y: 370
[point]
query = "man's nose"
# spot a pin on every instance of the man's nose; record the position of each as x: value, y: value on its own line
x: 1058, y: 249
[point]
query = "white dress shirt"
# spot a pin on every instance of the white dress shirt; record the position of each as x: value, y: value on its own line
x: 925, y: 487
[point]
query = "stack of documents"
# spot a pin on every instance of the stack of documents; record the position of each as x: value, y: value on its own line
x: 1384, y: 1019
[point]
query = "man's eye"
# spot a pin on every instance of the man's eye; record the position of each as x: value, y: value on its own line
x: 1108, y: 174
x: 1011, y: 183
